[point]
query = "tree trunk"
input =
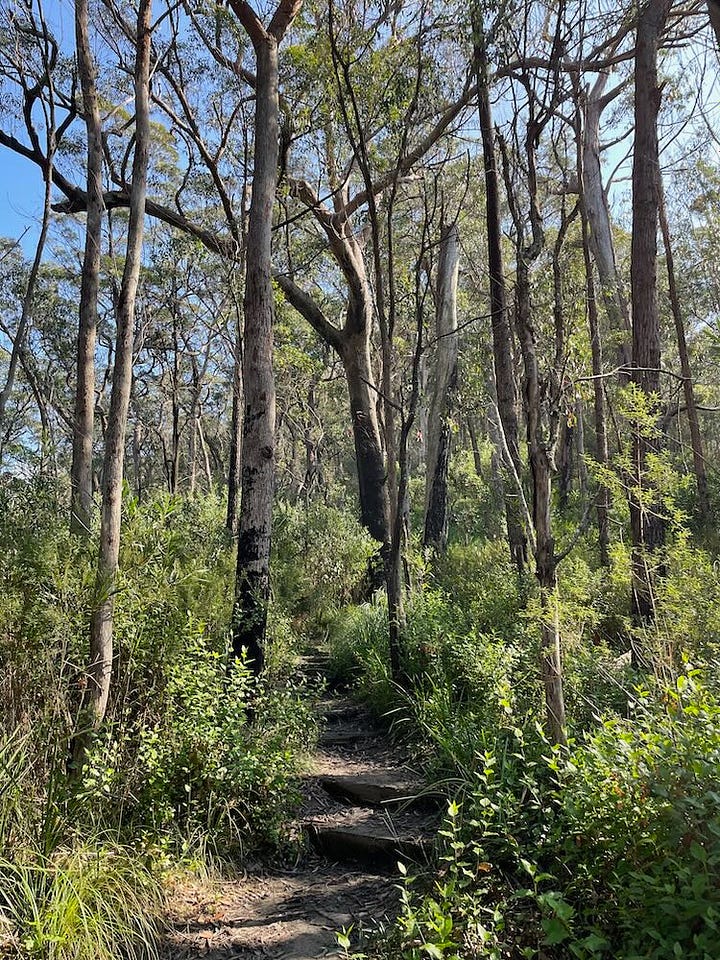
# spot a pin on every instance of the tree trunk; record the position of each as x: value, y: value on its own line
x: 602, y: 505
x: 252, y: 576
x: 99, y: 671
x: 565, y: 461
x: 252, y: 579
x: 352, y: 344
x: 439, y: 432
x: 236, y: 428
x: 598, y: 216
x: 688, y: 388
x: 81, y: 503
x: 580, y: 446
x: 174, y: 471
x: 501, y: 331
x: 714, y: 13
x: 477, y: 458
x: 541, y: 469
x: 372, y: 473
x: 137, y: 455
x: 648, y: 527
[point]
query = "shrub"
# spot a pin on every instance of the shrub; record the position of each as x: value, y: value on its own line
x: 612, y: 851
x: 320, y: 554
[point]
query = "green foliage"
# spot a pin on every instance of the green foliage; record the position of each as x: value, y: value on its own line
x: 320, y: 554
x: 64, y: 896
x: 86, y: 901
x: 203, y: 768
x: 611, y: 850
x: 641, y: 814
x: 177, y: 765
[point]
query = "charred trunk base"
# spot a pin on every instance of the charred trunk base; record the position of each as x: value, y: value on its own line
x: 436, y: 516
x: 249, y: 621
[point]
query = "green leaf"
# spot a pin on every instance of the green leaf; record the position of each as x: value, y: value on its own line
x: 555, y: 931
x: 698, y: 852
x: 433, y: 950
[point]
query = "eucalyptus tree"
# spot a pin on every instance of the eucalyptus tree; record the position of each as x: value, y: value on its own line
x: 504, y: 379
x: 646, y: 519
x: 99, y: 672
x: 444, y: 388
x: 376, y: 126
x: 81, y: 481
x: 252, y: 580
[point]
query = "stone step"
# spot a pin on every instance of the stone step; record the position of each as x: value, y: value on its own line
x: 343, y: 711
x: 311, y: 664
x: 380, y: 789
x: 375, y: 846
x: 340, y: 736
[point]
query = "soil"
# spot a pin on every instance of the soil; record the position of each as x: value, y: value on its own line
x: 347, y: 878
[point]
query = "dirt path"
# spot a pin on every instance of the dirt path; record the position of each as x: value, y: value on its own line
x: 360, y: 818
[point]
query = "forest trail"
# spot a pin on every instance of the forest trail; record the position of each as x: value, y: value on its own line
x: 363, y: 809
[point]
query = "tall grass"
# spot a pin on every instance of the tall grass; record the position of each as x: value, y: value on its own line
x: 63, y: 896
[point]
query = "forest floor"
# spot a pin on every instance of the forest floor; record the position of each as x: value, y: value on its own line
x: 362, y: 810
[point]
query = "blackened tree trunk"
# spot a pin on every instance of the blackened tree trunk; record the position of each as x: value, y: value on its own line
x: 252, y: 579
x: 99, y: 671
x: 714, y: 12
x: 81, y: 503
x: 372, y: 473
x: 647, y: 524
x: 439, y: 425
x: 542, y: 398
x: 501, y: 330
x: 565, y: 459
x: 580, y: 447
x: 174, y: 464
x: 541, y: 470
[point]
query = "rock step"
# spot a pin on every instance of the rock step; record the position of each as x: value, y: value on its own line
x: 343, y: 711
x: 340, y: 736
x: 381, y: 789
x: 376, y: 847
x: 311, y: 664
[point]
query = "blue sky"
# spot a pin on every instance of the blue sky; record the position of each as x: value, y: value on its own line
x: 21, y: 198
x: 21, y: 186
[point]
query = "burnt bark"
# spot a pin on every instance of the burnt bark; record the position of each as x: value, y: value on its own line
x: 565, y: 460
x: 439, y: 432
x: 714, y: 14
x: 371, y: 469
x: 252, y: 577
x: 352, y: 344
x: 499, y: 317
